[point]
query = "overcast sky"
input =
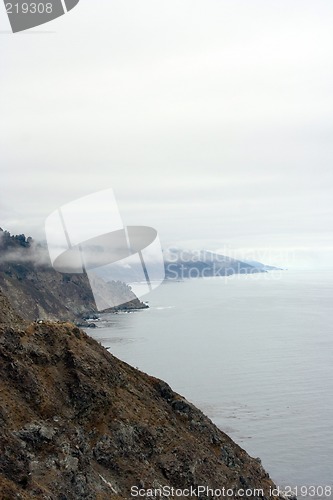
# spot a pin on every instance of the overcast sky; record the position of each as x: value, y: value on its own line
x: 212, y: 121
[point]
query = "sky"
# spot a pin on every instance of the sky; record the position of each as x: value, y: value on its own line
x: 211, y: 120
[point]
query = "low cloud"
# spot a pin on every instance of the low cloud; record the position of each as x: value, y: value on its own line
x: 20, y: 250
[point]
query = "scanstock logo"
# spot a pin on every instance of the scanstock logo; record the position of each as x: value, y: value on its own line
x: 24, y: 15
x: 87, y: 236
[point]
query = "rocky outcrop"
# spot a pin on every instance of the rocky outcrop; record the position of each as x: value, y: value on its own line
x: 77, y: 423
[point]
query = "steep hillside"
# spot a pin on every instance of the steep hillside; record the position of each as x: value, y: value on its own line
x: 8, y: 316
x: 36, y: 290
x: 77, y: 423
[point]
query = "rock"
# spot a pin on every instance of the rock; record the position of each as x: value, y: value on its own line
x: 71, y: 463
x: 287, y: 496
x: 35, y: 434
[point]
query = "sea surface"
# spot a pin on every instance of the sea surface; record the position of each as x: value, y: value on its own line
x: 255, y: 353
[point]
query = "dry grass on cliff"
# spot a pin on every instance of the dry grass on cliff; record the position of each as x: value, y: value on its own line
x: 74, y: 420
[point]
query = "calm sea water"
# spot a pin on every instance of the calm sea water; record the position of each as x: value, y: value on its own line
x: 255, y: 353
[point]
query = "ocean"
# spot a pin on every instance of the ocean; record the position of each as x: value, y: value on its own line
x: 255, y: 353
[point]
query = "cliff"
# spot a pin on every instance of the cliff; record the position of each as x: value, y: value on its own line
x: 36, y: 290
x: 8, y: 317
x: 77, y: 423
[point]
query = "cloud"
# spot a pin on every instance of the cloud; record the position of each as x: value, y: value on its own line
x: 210, y: 121
x: 12, y: 253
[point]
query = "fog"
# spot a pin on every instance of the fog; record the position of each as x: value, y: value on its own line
x: 212, y: 122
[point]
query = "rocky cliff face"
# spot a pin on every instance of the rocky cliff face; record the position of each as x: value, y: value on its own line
x: 8, y: 317
x: 77, y: 423
x: 36, y: 290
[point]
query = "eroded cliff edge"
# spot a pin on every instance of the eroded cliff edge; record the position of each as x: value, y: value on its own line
x: 36, y: 290
x: 76, y: 422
